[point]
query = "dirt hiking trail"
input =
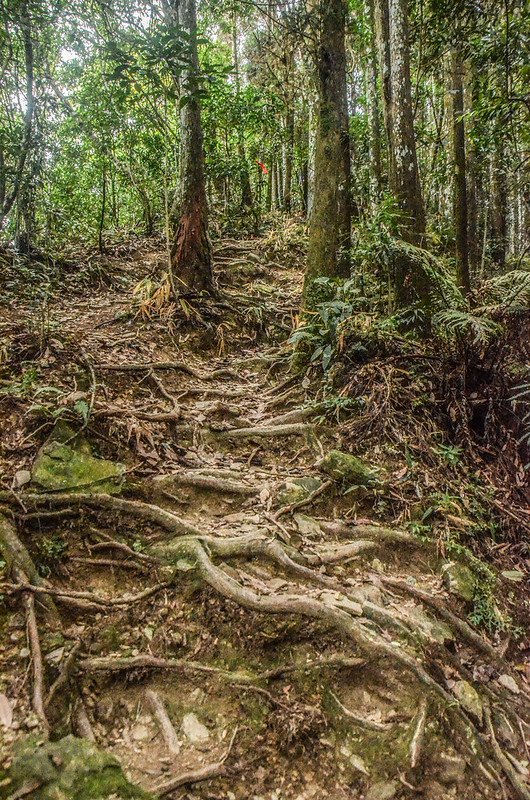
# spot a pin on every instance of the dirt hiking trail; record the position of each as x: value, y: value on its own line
x: 210, y: 605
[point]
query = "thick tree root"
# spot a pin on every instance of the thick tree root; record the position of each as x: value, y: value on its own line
x: 266, y: 431
x: 19, y: 562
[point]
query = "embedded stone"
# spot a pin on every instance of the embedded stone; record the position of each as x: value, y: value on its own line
x: 468, y: 698
x: 193, y: 729
x: 383, y: 790
x: 296, y: 489
x: 350, y: 469
x: 65, y: 464
x: 459, y: 580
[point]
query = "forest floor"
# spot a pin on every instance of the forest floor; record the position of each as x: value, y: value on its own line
x: 228, y: 624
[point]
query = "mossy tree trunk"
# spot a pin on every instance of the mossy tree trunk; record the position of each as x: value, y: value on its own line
x: 191, y: 253
x: 330, y: 222
x: 460, y: 195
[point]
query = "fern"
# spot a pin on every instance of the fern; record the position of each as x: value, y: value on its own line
x: 509, y: 292
x: 458, y: 324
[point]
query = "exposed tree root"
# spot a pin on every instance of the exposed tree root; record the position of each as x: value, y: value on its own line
x: 64, y: 675
x: 148, y: 416
x: 202, y: 481
x: 416, y: 743
x: 459, y: 625
x: 169, y: 366
x: 198, y: 549
x: 36, y: 659
x: 94, y: 601
x: 357, y: 719
x: 19, y: 562
x: 266, y: 431
x: 147, y: 662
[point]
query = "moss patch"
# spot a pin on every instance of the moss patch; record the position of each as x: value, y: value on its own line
x: 69, y: 466
x: 69, y: 769
x: 348, y: 468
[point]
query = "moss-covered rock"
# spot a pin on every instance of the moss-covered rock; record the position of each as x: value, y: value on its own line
x: 469, y: 698
x: 348, y: 468
x: 298, y: 489
x: 66, y: 463
x: 459, y: 580
x: 69, y: 769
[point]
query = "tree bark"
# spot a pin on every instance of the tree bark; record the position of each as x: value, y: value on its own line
x: 9, y: 198
x: 405, y: 177
x: 330, y: 223
x: 460, y: 205
x: 376, y: 172
x: 381, y: 23
x: 191, y: 252
x: 499, y: 201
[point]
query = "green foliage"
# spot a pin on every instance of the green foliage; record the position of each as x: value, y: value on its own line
x: 457, y: 324
x: 51, y: 551
x: 451, y: 454
x: 322, y: 334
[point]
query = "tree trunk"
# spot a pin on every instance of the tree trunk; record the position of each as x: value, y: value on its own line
x: 191, y: 253
x: 288, y: 160
x: 459, y: 173
x: 8, y: 199
x: 330, y: 223
x: 499, y: 201
x: 376, y: 173
x: 381, y: 23
x: 405, y: 178
x: 247, y: 201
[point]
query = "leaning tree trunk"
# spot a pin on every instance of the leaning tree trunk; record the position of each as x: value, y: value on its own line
x: 460, y: 198
x: 191, y: 252
x: 330, y: 223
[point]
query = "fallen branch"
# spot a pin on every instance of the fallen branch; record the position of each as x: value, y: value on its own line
x: 206, y: 773
x: 159, y: 712
x: 36, y: 658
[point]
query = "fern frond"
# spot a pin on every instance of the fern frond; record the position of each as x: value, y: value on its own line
x: 454, y: 323
x: 511, y: 291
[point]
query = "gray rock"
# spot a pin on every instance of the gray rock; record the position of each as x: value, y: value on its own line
x: 383, y: 790
x: 468, y: 698
x: 350, y: 469
x: 459, y: 580
x: 193, y: 729
x: 65, y: 463
x: 297, y: 489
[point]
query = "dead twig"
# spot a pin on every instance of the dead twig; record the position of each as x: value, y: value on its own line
x: 205, y: 773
